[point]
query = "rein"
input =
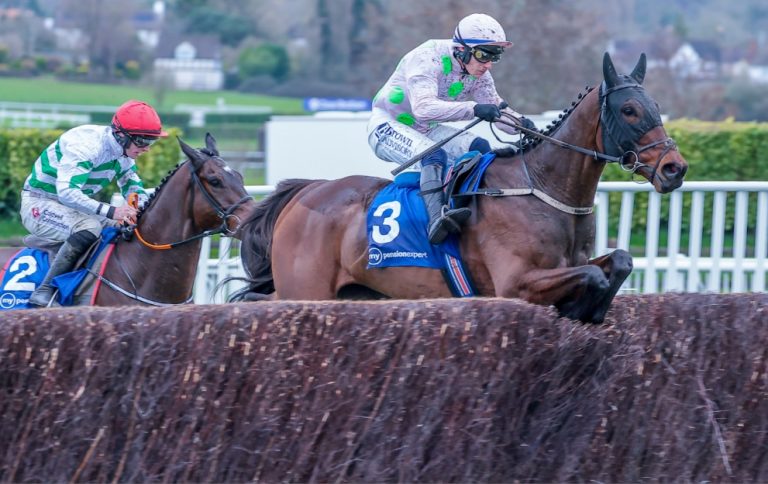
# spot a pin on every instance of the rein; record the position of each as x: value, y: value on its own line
x: 515, y: 122
x: 593, y: 153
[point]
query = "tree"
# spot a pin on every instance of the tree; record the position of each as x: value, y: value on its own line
x: 107, y: 25
x: 264, y: 60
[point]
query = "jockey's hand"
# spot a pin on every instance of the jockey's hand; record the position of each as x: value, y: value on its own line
x: 527, y: 123
x: 487, y: 112
x: 125, y: 214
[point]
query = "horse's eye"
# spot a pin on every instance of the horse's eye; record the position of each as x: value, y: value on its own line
x: 214, y: 182
x: 628, y: 111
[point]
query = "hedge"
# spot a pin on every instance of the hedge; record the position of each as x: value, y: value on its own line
x: 715, y: 151
x: 19, y: 148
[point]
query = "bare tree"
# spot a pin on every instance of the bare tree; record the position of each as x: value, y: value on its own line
x: 111, y: 36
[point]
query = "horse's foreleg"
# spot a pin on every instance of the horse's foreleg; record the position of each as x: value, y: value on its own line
x: 583, y: 292
x: 616, y: 266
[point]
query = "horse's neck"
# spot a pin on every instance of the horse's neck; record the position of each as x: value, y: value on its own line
x: 567, y: 175
x: 163, y: 275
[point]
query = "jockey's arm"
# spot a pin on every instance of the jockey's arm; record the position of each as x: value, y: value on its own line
x: 427, y: 107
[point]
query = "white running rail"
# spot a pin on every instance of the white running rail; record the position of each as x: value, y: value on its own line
x: 700, y: 253
x: 726, y: 245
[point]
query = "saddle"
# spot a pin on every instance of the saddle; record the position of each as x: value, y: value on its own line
x: 51, y: 247
x: 462, y: 173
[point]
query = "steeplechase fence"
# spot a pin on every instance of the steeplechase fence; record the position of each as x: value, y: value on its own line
x: 671, y: 389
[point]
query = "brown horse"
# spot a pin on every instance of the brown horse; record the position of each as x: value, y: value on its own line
x: 157, y: 266
x: 157, y: 263
x: 308, y: 239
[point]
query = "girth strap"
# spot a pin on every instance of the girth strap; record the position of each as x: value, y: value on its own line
x: 512, y: 192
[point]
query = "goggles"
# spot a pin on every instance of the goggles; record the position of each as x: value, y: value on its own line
x: 487, y: 54
x: 141, y: 141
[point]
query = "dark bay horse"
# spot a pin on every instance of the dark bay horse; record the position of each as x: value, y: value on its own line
x: 308, y: 239
x: 157, y: 265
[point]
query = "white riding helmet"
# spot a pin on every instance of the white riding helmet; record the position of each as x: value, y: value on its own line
x: 480, y: 29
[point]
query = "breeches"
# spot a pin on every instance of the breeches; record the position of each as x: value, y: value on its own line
x: 50, y: 219
x: 395, y: 142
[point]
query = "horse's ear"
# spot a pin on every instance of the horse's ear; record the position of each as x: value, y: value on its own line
x: 194, y: 155
x: 638, y: 73
x: 210, y: 143
x: 609, y: 72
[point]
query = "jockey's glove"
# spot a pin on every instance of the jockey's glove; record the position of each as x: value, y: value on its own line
x: 487, y: 112
x: 527, y: 123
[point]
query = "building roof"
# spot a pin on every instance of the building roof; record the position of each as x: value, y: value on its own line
x: 206, y: 46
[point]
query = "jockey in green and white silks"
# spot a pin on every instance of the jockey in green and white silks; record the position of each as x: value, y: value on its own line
x: 56, y: 201
x: 80, y: 164
x: 441, y: 80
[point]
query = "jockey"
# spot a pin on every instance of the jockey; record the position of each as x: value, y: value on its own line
x: 56, y: 201
x: 441, y: 80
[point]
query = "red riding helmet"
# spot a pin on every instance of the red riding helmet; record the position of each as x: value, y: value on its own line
x: 139, y: 119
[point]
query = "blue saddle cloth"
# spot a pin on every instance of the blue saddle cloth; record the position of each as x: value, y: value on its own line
x: 27, y: 269
x: 397, y: 228
x: 398, y: 233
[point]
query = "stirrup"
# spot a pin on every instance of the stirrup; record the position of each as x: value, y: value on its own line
x: 450, y: 222
x: 457, y: 216
x: 49, y: 293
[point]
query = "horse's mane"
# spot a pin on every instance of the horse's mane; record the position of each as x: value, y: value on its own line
x: 158, y: 189
x: 530, y: 142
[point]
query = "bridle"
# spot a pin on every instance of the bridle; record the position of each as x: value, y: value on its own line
x: 609, y: 120
x: 223, y: 214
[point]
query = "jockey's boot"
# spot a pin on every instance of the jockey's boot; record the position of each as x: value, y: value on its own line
x: 442, y: 220
x: 64, y: 262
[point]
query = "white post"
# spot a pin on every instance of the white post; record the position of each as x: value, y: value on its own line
x: 716, y: 252
x: 740, y: 241
x: 672, y: 279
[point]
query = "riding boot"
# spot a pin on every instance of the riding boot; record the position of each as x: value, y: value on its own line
x: 442, y: 219
x: 65, y: 261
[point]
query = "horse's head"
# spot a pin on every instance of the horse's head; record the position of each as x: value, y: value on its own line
x: 218, y: 193
x: 631, y: 128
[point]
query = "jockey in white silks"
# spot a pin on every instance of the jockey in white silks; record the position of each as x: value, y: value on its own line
x: 441, y: 80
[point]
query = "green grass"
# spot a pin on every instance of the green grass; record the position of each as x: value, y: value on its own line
x: 230, y: 136
x: 51, y: 90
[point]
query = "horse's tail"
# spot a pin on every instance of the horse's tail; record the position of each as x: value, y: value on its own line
x: 256, y: 243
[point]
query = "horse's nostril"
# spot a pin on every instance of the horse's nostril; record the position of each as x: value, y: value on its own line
x: 672, y: 170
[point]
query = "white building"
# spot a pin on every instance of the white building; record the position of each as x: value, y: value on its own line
x: 190, y: 62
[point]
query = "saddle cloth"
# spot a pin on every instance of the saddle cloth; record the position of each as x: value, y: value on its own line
x: 27, y: 268
x: 397, y: 235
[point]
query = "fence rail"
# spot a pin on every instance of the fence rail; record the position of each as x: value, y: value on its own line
x: 725, y: 224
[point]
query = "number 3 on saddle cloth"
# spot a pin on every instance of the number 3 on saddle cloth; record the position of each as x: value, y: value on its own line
x: 27, y: 268
x: 397, y: 229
